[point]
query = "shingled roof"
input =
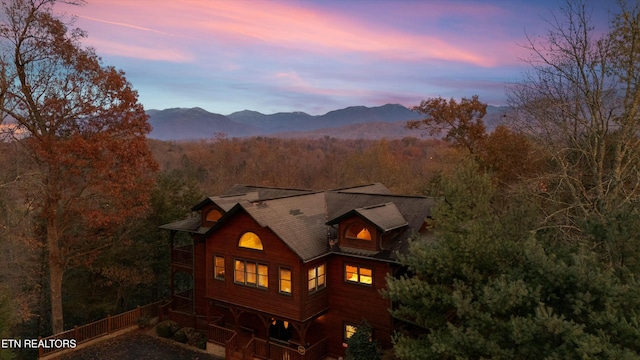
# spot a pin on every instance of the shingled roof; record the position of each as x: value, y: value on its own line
x: 190, y: 225
x: 303, y: 218
x: 385, y: 216
x: 265, y: 192
x: 298, y: 220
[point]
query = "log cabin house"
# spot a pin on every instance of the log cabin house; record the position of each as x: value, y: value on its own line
x: 288, y: 274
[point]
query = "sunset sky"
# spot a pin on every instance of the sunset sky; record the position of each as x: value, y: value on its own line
x: 314, y: 56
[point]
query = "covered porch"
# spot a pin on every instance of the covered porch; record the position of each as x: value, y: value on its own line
x: 251, y: 334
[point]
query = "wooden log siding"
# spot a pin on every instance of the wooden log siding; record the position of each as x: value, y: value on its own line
x: 103, y: 327
x: 276, y: 255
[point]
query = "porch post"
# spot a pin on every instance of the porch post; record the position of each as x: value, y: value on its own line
x: 266, y: 322
x: 172, y: 235
x: 236, y: 316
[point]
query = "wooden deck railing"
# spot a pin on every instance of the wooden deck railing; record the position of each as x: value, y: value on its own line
x: 183, y: 301
x: 106, y: 326
x: 182, y: 255
x: 318, y: 350
x: 260, y: 348
x: 219, y: 335
x: 231, y: 345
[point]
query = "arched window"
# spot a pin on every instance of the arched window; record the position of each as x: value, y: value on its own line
x: 251, y: 241
x: 357, y: 231
x: 213, y: 215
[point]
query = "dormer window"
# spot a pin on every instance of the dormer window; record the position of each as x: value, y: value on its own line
x: 213, y: 215
x: 358, y: 231
x: 250, y: 240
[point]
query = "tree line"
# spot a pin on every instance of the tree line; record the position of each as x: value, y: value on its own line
x: 317, y: 164
x: 546, y: 266
x: 535, y: 246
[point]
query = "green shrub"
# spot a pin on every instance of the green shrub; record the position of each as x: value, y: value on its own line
x: 143, y: 322
x: 166, y: 329
x: 202, y: 342
x: 181, y: 336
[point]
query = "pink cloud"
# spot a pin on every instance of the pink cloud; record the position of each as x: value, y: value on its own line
x: 295, y: 25
x: 138, y: 51
x: 291, y: 81
x: 123, y: 24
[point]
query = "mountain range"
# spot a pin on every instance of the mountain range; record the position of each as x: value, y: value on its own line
x: 356, y: 122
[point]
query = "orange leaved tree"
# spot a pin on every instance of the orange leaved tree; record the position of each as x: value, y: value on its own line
x: 84, y: 132
x: 462, y: 121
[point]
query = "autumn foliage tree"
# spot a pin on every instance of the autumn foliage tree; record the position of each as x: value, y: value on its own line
x: 461, y: 122
x: 85, y: 135
x: 510, y: 155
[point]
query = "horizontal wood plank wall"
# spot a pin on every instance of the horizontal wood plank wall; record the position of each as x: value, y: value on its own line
x: 224, y: 242
x: 351, y: 302
x: 315, y: 302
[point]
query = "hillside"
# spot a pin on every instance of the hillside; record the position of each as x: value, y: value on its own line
x: 356, y: 122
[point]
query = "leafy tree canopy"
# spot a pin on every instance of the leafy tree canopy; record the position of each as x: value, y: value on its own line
x: 462, y: 121
x: 84, y: 135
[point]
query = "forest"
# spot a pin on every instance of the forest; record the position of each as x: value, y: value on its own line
x: 537, y: 231
x: 134, y: 270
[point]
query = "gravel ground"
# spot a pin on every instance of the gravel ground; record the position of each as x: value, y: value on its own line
x: 137, y: 346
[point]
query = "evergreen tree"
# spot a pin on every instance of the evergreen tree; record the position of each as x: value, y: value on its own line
x: 486, y: 288
x: 361, y: 346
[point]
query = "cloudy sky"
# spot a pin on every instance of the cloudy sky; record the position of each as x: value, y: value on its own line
x: 313, y: 55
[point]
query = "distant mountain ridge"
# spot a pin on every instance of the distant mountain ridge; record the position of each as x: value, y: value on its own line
x: 196, y: 123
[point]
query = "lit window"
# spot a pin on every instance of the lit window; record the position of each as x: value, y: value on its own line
x: 349, y: 330
x: 213, y: 215
x: 366, y: 276
x: 285, y: 281
x: 263, y: 276
x: 358, y: 232
x: 252, y: 274
x: 316, y: 277
x: 358, y: 274
x: 218, y: 267
x: 251, y: 241
x: 239, y: 273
